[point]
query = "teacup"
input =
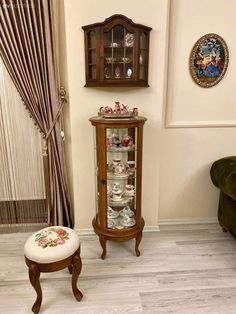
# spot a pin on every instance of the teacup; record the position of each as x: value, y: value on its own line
x: 129, y: 189
x: 127, y: 212
x: 116, y: 141
x: 131, y: 164
x: 128, y: 221
x: 120, y: 168
x: 117, y: 197
x: 116, y: 192
x: 116, y: 161
x: 110, y: 59
x: 116, y: 187
x: 114, y: 45
x: 125, y: 59
x: 127, y: 140
x: 111, y: 223
x: 109, y: 141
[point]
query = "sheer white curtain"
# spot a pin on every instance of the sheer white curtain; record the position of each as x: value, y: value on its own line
x: 22, y: 188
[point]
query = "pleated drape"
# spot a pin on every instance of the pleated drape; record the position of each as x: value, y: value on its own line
x: 28, y: 52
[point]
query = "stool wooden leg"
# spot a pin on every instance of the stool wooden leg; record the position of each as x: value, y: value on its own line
x: 34, y: 275
x: 70, y: 268
x: 77, y: 266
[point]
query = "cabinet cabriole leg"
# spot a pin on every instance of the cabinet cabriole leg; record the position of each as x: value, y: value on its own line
x: 102, y: 240
x: 137, y: 242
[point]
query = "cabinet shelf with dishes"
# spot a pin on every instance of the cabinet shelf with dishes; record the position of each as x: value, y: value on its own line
x: 118, y: 179
x: 118, y: 42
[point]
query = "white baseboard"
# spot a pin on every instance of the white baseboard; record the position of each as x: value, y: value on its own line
x: 151, y: 228
x: 85, y: 232
x: 90, y: 231
x: 188, y: 221
x: 162, y: 222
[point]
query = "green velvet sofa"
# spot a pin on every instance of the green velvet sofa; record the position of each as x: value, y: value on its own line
x: 223, y: 176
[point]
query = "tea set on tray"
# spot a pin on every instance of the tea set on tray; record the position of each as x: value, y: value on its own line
x: 122, y: 218
x: 119, y: 111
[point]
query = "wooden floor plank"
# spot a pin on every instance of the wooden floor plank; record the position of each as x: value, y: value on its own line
x: 188, y: 269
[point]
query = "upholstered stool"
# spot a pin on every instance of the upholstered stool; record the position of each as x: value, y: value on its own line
x: 52, y: 249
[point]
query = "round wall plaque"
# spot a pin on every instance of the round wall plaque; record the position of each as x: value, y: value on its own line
x: 209, y: 60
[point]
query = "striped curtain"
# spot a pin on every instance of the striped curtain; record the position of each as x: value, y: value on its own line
x: 27, y: 48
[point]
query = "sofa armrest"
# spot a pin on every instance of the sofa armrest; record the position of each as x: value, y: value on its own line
x: 223, y: 175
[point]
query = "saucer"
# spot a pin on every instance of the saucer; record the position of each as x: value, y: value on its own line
x: 127, y: 193
x: 117, y: 199
x: 125, y: 59
x: 130, y: 223
x: 111, y: 175
x: 126, y: 213
x: 111, y: 223
x: 116, y: 191
x: 113, y: 214
x: 114, y: 45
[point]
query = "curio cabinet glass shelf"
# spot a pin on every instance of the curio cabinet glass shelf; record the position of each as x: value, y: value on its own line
x: 116, y: 53
x: 118, y: 173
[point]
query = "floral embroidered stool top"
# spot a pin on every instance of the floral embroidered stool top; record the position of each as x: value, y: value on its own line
x: 51, y: 244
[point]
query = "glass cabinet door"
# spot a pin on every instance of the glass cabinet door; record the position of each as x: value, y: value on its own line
x: 96, y: 176
x: 121, y: 177
x: 143, y: 56
x: 118, y: 171
x: 118, y: 53
x: 92, y: 66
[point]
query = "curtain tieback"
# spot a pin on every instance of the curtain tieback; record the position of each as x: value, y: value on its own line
x: 63, y: 101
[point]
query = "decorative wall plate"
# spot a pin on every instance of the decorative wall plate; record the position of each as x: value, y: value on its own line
x: 208, y: 60
x: 129, y: 40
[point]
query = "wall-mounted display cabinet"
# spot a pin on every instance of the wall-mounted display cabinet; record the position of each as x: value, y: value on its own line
x: 116, y: 53
x: 118, y: 173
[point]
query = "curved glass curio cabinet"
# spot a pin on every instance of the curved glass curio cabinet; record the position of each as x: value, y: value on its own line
x: 118, y: 172
x: 116, y: 52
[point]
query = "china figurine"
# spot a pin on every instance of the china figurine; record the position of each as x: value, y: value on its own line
x: 117, y: 107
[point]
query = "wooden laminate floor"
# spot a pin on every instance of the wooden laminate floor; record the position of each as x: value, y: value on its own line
x: 182, y: 270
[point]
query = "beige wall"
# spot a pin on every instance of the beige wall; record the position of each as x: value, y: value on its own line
x: 196, y: 116
x: 176, y: 182
x: 84, y: 102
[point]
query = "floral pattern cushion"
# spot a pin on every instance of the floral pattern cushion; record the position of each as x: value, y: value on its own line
x: 51, y: 237
x: 51, y: 244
